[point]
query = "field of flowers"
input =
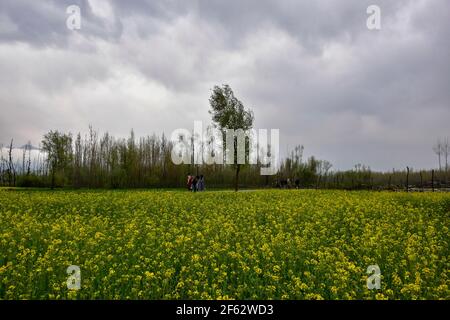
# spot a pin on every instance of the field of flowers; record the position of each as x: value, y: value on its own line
x: 274, y: 244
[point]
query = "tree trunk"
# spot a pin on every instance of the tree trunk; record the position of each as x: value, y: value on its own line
x: 421, y: 181
x: 407, y: 179
x: 432, y: 180
x: 53, y: 168
x: 53, y: 179
x: 236, y: 185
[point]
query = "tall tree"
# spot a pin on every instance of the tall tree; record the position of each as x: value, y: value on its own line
x: 323, y: 166
x: 229, y: 113
x: 58, y: 147
x: 11, y: 167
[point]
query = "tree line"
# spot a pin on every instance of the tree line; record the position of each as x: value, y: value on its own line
x: 95, y: 161
x: 315, y: 173
x: 103, y: 161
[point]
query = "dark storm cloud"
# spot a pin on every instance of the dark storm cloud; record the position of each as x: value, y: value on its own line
x: 43, y: 23
x: 310, y: 68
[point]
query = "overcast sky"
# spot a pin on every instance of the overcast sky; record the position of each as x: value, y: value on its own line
x: 310, y: 68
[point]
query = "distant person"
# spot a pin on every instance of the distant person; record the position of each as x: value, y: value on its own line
x: 201, y: 183
x: 190, y: 179
x: 297, y: 183
x: 277, y: 184
x: 195, y: 183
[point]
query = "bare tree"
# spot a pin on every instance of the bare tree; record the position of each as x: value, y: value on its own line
x: 446, y: 151
x: 407, y: 178
x: 11, y: 167
x: 24, y: 153
x: 432, y: 180
x: 438, y: 151
x: 421, y: 181
x: 29, y: 147
x: 2, y: 166
x: 322, y: 170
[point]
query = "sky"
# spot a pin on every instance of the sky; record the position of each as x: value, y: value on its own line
x: 312, y: 69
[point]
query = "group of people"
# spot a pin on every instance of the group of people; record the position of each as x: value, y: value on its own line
x: 287, y: 184
x: 195, y: 183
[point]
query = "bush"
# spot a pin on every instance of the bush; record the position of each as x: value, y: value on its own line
x: 31, y: 181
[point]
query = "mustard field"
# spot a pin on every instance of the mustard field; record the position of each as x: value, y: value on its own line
x: 271, y: 244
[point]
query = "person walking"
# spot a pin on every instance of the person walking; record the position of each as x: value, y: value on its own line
x: 195, y: 183
x: 201, y: 183
x: 190, y: 179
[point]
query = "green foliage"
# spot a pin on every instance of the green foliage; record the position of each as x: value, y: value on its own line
x: 31, y: 181
x: 58, y: 147
x: 108, y: 162
x: 227, y: 111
